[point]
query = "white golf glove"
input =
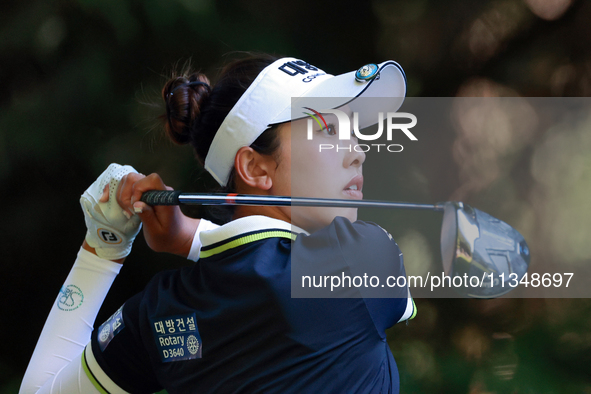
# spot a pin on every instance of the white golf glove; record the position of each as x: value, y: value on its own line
x: 110, y: 232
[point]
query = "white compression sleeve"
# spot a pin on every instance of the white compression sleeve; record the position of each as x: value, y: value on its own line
x: 71, y: 379
x: 204, y: 225
x: 71, y: 319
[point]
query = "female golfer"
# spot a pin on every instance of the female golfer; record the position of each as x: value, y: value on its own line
x: 255, y: 313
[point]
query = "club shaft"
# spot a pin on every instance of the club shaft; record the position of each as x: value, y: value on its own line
x: 177, y: 198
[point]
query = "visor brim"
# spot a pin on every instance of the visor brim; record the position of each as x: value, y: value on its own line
x: 389, y: 85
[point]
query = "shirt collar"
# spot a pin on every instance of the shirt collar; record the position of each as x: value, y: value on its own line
x: 244, y: 225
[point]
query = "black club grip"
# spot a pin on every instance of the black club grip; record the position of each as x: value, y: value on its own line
x: 161, y: 197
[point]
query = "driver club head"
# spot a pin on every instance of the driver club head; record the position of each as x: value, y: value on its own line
x: 473, y: 243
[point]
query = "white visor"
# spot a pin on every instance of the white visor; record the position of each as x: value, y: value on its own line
x: 268, y: 101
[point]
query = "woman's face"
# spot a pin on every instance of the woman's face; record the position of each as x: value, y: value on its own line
x: 306, y: 170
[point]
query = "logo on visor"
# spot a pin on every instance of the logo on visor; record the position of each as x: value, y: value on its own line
x: 310, y: 78
x: 297, y: 67
x: 367, y: 73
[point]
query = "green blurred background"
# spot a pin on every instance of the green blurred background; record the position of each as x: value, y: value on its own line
x: 79, y: 89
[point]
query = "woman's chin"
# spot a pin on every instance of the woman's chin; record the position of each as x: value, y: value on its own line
x: 314, y: 219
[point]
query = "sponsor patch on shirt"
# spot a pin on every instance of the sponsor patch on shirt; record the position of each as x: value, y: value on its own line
x: 177, y: 337
x: 110, y: 328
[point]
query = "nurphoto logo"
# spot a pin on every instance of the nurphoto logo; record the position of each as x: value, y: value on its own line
x: 344, y: 129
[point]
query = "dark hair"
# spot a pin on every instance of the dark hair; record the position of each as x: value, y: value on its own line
x: 195, y: 111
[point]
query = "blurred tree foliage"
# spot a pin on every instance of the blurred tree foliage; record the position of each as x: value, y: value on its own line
x: 79, y: 89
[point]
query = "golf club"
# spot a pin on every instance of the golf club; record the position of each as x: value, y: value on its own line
x: 177, y: 197
x: 473, y: 243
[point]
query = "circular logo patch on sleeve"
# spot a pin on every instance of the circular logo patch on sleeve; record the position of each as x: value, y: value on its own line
x: 105, y: 332
x: 70, y: 298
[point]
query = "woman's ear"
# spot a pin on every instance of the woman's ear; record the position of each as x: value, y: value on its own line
x: 253, y: 169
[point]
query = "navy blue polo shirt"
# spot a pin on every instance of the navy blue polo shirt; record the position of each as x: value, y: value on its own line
x: 229, y: 324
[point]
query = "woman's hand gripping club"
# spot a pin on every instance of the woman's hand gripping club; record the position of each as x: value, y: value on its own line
x: 109, y: 231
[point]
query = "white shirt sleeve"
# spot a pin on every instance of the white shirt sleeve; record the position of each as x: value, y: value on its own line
x: 70, y: 323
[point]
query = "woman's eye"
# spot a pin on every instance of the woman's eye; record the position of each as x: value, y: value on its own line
x: 331, y: 129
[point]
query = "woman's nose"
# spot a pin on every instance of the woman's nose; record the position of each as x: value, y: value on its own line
x: 355, y: 154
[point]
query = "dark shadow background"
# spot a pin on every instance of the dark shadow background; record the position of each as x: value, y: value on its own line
x: 79, y: 89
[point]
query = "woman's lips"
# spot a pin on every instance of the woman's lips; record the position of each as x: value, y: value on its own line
x: 353, y: 188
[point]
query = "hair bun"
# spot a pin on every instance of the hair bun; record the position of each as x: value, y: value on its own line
x: 184, y: 96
